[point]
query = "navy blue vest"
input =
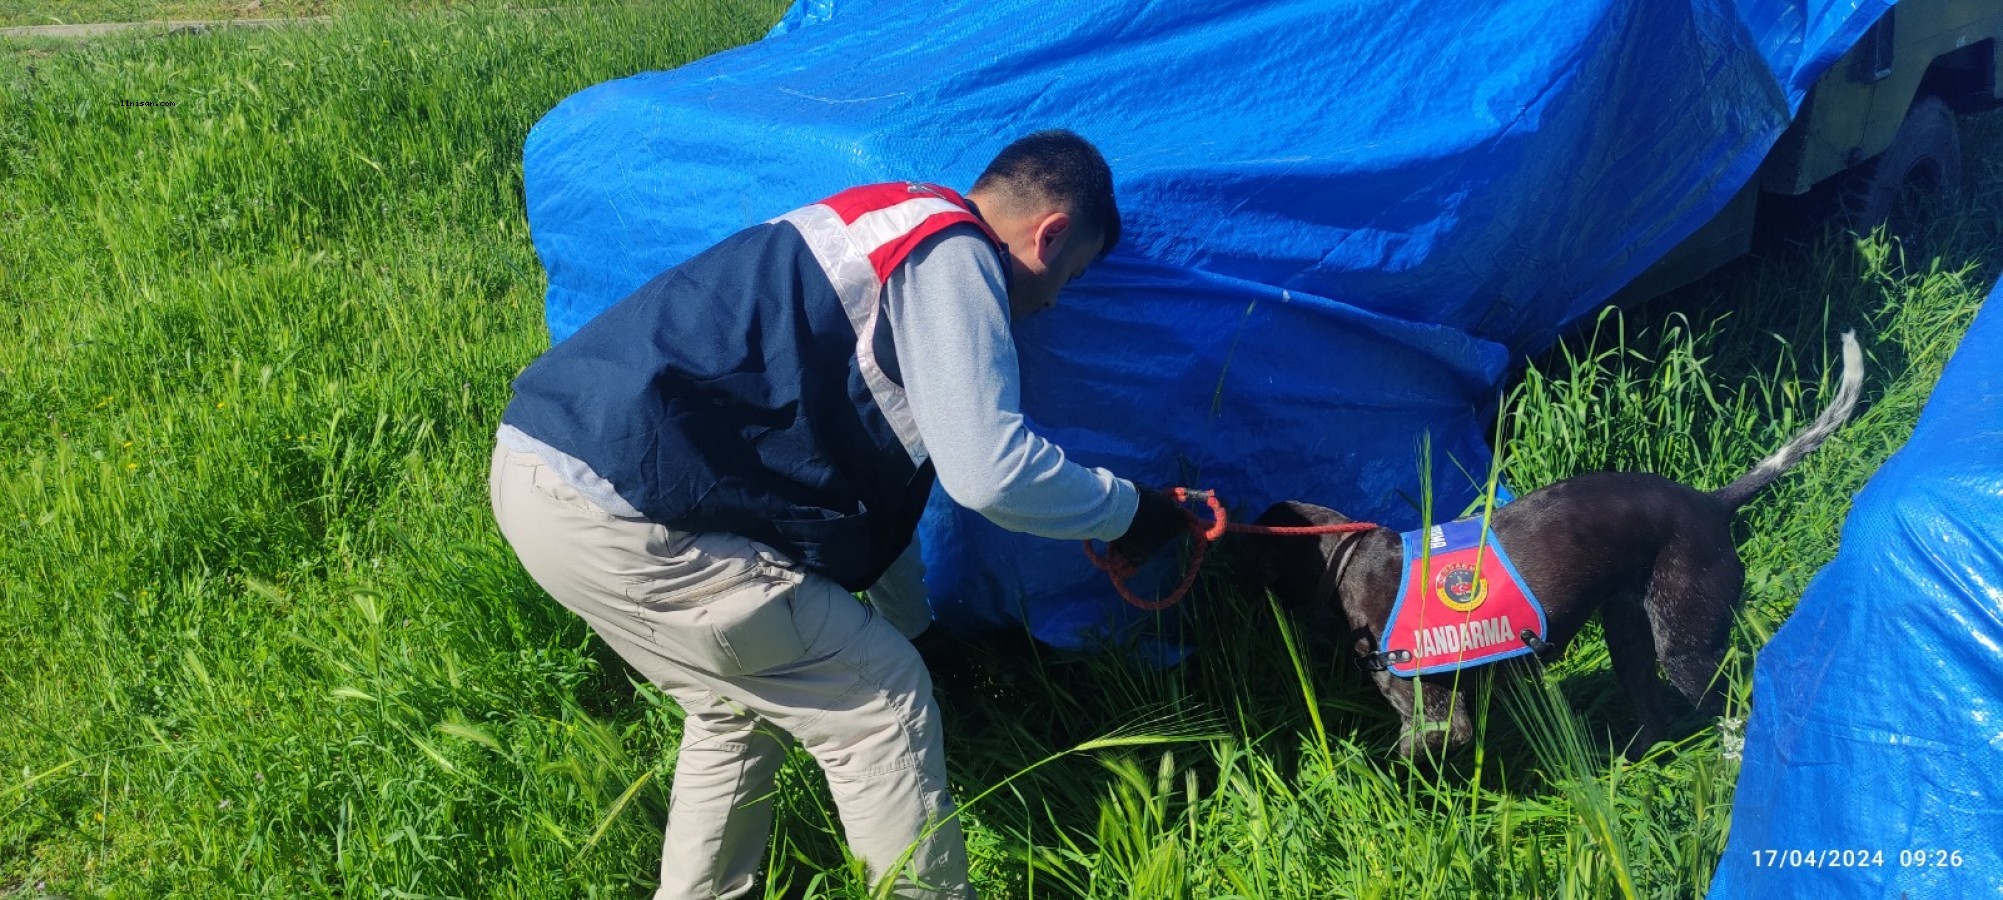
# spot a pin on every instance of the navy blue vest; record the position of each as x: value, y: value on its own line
x: 731, y: 394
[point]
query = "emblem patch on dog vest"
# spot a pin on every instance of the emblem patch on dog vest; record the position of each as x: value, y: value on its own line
x: 1460, y: 604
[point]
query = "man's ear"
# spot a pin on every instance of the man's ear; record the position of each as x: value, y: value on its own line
x: 1052, y: 233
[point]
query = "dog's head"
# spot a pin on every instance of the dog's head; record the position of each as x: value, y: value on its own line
x: 1343, y: 586
x: 1296, y: 569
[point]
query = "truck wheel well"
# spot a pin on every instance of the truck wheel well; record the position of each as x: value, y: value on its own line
x: 1922, y: 166
x: 1964, y: 79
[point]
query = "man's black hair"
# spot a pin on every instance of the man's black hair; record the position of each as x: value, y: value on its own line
x: 1058, y: 166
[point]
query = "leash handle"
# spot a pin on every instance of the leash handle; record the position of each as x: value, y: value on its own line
x: 1218, y: 520
x: 1119, y: 570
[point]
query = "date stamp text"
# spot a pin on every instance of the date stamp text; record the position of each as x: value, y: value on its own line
x: 1851, y: 858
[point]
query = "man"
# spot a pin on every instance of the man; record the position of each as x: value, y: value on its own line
x: 707, y: 471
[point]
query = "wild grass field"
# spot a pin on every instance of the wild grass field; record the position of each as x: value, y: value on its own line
x: 17, y: 13
x: 261, y: 638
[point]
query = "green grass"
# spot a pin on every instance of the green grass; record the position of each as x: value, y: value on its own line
x: 262, y: 638
x: 75, y: 12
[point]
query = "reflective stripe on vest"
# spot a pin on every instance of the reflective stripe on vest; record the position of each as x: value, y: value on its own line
x: 741, y: 391
x: 859, y: 237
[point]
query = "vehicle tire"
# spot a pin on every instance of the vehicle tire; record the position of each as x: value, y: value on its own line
x: 1919, y: 171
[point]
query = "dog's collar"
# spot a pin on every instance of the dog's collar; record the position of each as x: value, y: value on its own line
x: 1384, y: 659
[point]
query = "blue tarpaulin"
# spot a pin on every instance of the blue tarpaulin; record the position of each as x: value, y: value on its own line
x: 1877, y: 725
x: 1344, y: 220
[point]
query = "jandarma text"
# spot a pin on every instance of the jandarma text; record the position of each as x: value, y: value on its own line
x: 167, y: 103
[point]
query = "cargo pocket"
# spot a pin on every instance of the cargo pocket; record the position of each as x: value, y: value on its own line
x: 754, y: 625
x: 740, y: 623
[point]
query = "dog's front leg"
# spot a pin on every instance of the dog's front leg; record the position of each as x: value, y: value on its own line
x: 1631, y: 645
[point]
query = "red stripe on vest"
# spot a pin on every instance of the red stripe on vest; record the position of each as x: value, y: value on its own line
x: 857, y: 202
x: 962, y: 203
x: 887, y: 258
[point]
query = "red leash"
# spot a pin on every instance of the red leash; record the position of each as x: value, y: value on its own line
x: 1120, y: 570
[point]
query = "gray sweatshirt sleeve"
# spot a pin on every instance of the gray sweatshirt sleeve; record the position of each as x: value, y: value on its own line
x: 948, y: 309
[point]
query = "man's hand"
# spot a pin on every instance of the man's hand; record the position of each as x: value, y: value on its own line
x: 1158, y: 520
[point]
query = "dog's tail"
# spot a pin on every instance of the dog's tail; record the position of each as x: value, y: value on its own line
x: 1738, y: 492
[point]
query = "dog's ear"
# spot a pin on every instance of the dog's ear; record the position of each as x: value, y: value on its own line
x: 1255, y: 557
x: 1252, y: 565
x: 1292, y: 567
x: 1294, y: 512
x: 1287, y: 513
x: 1265, y: 563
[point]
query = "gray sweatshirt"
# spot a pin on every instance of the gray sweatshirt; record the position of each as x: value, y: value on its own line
x: 948, y: 308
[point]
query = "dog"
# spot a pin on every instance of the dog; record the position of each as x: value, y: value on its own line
x: 1654, y: 557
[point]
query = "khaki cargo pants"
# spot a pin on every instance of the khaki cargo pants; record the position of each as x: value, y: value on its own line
x: 758, y: 653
